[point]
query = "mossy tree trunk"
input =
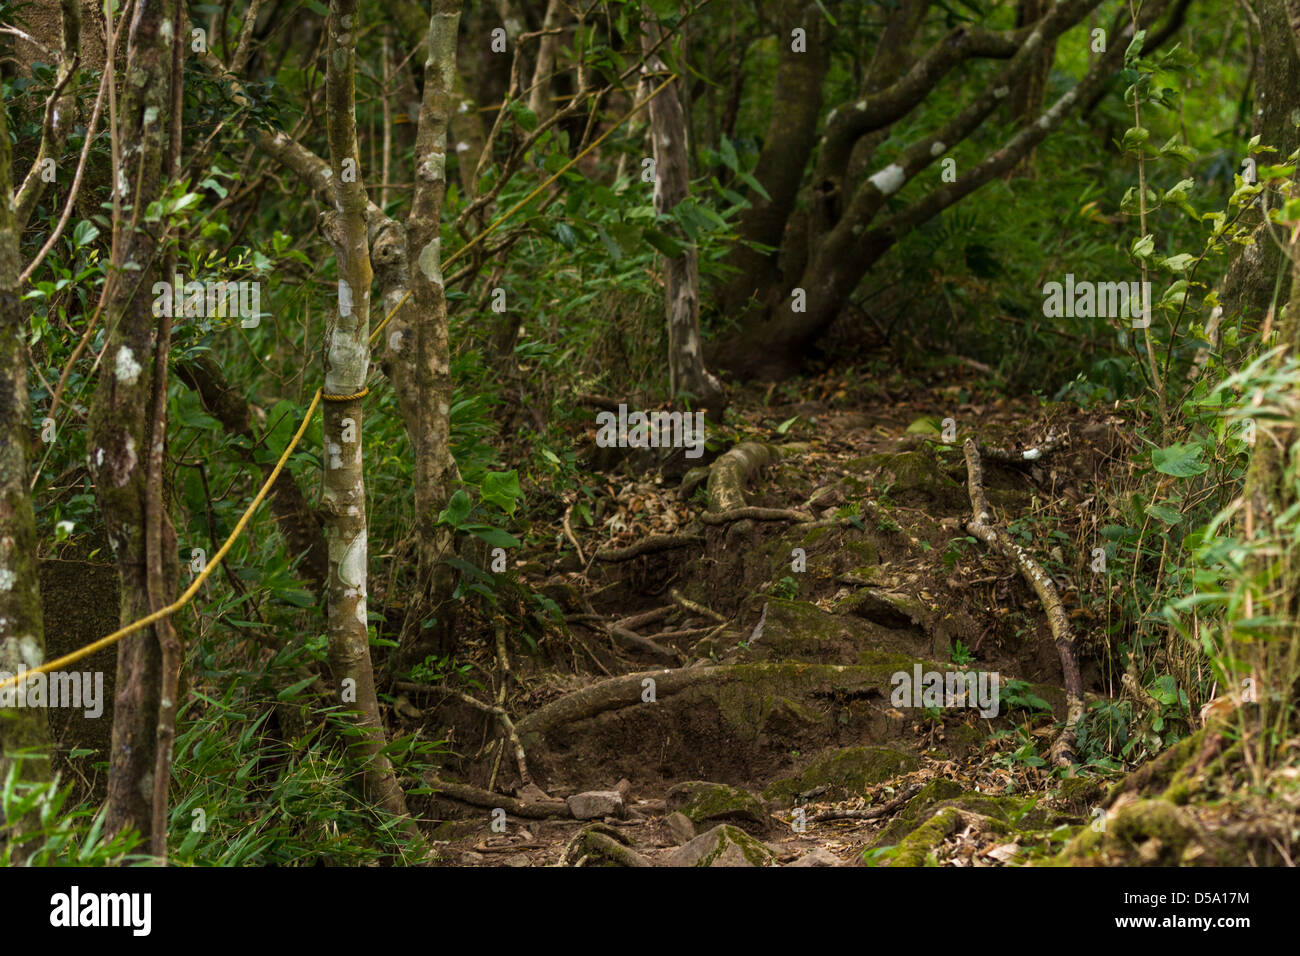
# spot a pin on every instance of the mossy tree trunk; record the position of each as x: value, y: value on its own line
x: 22, y: 635
x: 122, y: 413
x: 851, y: 226
x: 347, y: 361
x: 787, y: 145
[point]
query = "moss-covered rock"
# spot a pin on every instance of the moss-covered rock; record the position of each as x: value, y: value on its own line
x: 914, y: 478
x: 722, y: 846
x: 1141, y: 833
x: 705, y: 803
x: 839, y: 774
x: 887, y: 608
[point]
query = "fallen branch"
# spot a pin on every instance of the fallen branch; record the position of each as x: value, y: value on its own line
x: 1062, y: 752
x: 1036, y: 453
x: 756, y: 514
x: 475, y: 797
x: 874, y: 813
x: 699, y: 609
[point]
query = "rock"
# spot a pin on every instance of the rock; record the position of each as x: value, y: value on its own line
x: 703, y: 802
x: 840, y: 774
x: 596, y: 804
x: 886, y: 608
x: 722, y: 846
x: 818, y: 856
x: 681, y: 827
x: 470, y: 858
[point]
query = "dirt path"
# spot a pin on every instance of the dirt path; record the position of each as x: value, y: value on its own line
x: 763, y: 653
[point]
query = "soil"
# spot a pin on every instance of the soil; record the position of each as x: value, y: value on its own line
x: 799, y: 630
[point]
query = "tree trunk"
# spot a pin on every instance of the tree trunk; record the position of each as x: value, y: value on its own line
x: 418, y: 359
x: 22, y: 635
x: 687, y: 376
x: 787, y: 145
x: 122, y: 413
x: 347, y: 360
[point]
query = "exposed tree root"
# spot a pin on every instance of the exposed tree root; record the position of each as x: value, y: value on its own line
x: 733, y: 470
x: 635, y: 641
x: 475, y: 797
x: 601, y: 841
x: 1062, y: 752
x: 618, y: 692
x: 749, y: 513
x: 699, y: 609
x: 649, y: 545
x: 872, y: 813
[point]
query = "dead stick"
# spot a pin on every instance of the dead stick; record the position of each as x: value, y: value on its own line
x: 998, y: 540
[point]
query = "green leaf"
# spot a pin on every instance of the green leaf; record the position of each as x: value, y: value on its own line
x: 457, y: 510
x: 669, y: 246
x: 1168, y: 515
x: 502, y: 489
x: 496, y: 537
x: 1181, y: 460
x: 292, y: 691
x: 84, y: 232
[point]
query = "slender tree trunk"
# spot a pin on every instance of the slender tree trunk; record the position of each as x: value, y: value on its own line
x: 687, y: 375
x: 122, y: 413
x: 22, y: 634
x: 418, y: 358
x: 347, y: 361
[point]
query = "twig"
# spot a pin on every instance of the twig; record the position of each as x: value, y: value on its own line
x: 697, y: 608
x: 1062, y: 752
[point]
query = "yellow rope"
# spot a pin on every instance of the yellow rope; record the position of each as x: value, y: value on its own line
x: 347, y: 398
x: 188, y: 594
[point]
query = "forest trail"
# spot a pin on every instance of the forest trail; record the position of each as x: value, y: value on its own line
x: 763, y: 653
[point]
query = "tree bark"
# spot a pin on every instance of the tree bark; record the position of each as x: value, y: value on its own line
x: 122, y: 412
x: 787, y: 146
x: 22, y: 634
x: 687, y: 376
x: 347, y: 360
x: 418, y: 358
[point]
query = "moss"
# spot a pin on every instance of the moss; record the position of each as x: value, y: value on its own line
x: 754, y: 851
x: 1080, y: 794
x: 704, y: 802
x: 1019, y: 813
x: 1155, y: 776
x: 812, y: 537
x: 915, y: 848
x: 865, y: 551
x: 915, y: 478
x: 886, y: 608
x: 843, y: 773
